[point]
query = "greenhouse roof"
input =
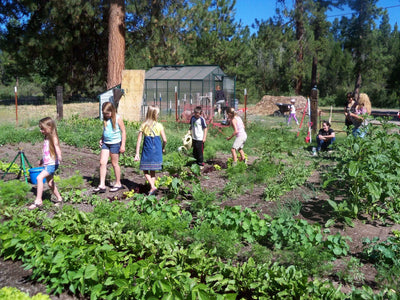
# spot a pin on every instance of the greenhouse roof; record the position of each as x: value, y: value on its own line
x: 182, y: 72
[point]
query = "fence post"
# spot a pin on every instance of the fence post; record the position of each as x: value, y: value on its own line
x: 60, y: 112
x: 314, y: 109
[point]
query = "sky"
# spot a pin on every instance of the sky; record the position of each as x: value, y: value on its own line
x: 249, y: 10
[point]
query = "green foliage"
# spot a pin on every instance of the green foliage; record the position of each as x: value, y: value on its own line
x: 202, y: 199
x: 13, y: 193
x: 157, y: 244
x: 367, y: 174
x: 14, y: 168
x: 73, y: 182
x: 287, y: 209
x: 16, y: 294
x: 385, y: 256
x: 352, y: 272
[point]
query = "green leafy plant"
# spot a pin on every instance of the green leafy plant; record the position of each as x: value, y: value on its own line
x: 75, y: 181
x: 16, y: 294
x: 13, y: 192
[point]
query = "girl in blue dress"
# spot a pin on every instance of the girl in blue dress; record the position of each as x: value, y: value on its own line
x: 153, y: 147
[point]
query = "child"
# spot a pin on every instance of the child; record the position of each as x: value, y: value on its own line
x: 199, y: 135
x: 239, y: 132
x: 349, y: 107
x: 112, y: 143
x: 152, y: 148
x: 50, y: 161
x: 325, y: 137
x: 360, y: 123
x: 292, y: 112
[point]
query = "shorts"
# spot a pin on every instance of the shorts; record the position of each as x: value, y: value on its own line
x: 113, y: 148
x: 51, y: 169
x: 239, y: 142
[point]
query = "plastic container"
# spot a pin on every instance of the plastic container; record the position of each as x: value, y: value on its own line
x: 314, y: 151
x: 33, y: 174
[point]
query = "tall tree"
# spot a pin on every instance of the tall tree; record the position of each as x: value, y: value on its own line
x: 63, y: 42
x: 360, y: 36
x: 116, y: 42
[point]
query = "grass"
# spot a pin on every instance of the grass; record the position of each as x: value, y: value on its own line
x: 29, y: 115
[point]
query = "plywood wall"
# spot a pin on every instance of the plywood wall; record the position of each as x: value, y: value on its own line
x: 131, y: 102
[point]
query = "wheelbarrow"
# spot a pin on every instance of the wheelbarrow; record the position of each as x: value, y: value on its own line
x: 283, y: 108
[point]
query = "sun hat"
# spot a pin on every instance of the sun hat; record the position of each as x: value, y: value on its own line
x: 293, y: 100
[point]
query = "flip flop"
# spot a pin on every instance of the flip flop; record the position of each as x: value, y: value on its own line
x: 57, y: 202
x: 116, y: 188
x: 153, y: 192
x: 99, y: 190
x: 34, y: 206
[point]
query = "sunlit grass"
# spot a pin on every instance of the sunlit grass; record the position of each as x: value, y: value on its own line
x: 29, y: 115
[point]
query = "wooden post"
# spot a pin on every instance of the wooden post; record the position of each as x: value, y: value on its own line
x: 60, y: 112
x: 245, y: 107
x: 314, y: 110
x: 16, y: 103
x: 176, y: 104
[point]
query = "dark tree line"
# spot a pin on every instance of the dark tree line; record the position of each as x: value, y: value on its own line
x: 51, y: 42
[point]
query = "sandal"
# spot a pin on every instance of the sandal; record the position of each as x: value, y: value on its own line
x: 99, y: 190
x: 57, y: 202
x: 35, y: 205
x: 152, y: 192
x: 116, y: 188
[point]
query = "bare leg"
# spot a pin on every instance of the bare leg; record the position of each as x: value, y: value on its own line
x: 234, y: 155
x: 39, y: 192
x: 151, y: 178
x: 117, y: 168
x: 52, y: 186
x: 104, y: 154
x: 242, y: 156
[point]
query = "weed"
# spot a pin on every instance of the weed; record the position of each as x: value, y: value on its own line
x: 352, y: 272
x: 287, y: 209
x: 13, y: 192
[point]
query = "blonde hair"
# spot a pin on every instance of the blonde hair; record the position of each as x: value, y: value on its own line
x: 364, y: 101
x: 231, y: 110
x: 49, y: 123
x: 108, y: 107
x: 151, y: 117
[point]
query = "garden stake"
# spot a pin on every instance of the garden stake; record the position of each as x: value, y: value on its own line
x: 22, y: 167
x: 302, y: 118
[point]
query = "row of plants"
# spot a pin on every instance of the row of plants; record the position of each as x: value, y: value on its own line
x: 184, y: 245
x: 156, y: 248
x: 366, y: 175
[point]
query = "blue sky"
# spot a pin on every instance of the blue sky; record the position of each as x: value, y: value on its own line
x: 249, y: 10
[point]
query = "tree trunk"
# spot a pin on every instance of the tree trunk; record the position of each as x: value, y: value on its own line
x: 299, y: 36
x: 314, y: 71
x: 116, y: 43
x: 357, y: 86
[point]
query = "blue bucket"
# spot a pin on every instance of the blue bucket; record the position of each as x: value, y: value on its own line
x: 33, y: 174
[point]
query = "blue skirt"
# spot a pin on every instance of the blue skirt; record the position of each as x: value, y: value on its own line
x: 151, y: 154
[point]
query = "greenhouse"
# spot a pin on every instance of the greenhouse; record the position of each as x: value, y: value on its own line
x: 176, y: 89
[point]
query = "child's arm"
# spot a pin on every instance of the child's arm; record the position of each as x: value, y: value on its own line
x: 235, y: 131
x: 139, y: 141
x: 123, y: 135
x: 57, y: 149
x: 164, y: 138
x: 205, y: 134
